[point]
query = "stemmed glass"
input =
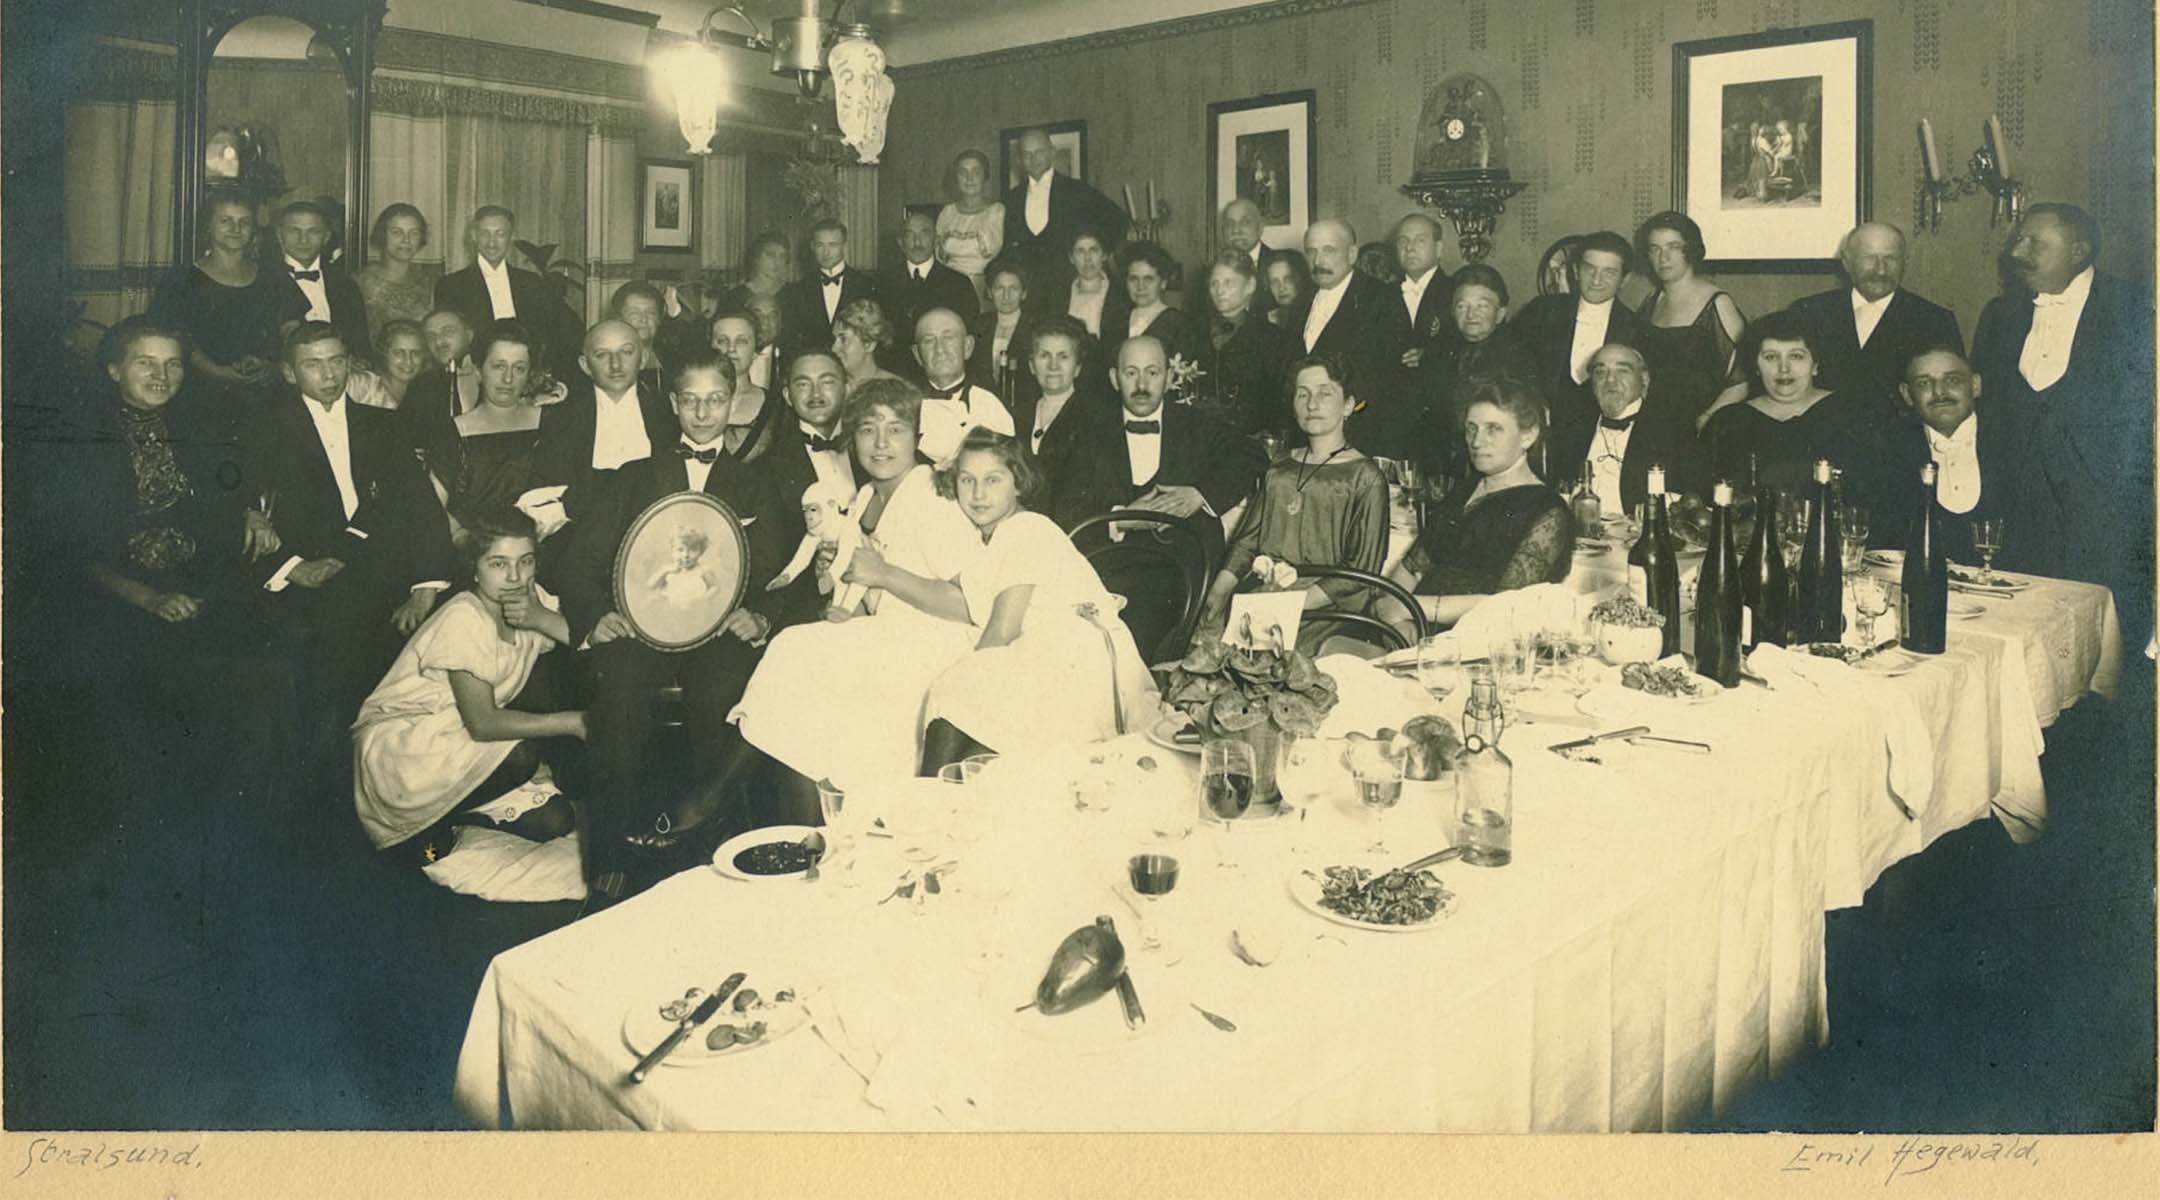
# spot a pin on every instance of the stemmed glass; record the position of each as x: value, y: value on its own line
x: 1379, y: 777
x: 1870, y: 602
x: 1226, y: 785
x: 1152, y: 868
x: 1987, y: 539
x: 840, y: 838
x: 1792, y: 529
x: 1439, y: 667
x: 1853, y: 533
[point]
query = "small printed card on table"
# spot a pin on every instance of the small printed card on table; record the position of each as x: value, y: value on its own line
x: 1264, y: 620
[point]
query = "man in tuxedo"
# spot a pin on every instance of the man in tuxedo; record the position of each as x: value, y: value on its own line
x: 1870, y: 329
x: 1167, y: 458
x: 919, y: 282
x: 771, y: 323
x: 328, y: 292
x: 1362, y: 322
x: 360, y: 547
x: 808, y: 306
x: 626, y: 673
x: 1633, y: 433
x: 489, y: 289
x: 1048, y: 418
x: 449, y: 387
x: 809, y: 447
x: 1238, y: 227
x: 1043, y: 213
x: 2067, y: 355
x: 1975, y: 467
x: 1427, y: 294
x: 615, y: 418
x: 1557, y: 334
x: 951, y: 405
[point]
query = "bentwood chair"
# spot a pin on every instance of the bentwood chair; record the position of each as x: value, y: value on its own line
x: 1361, y: 624
x: 1162, y: 573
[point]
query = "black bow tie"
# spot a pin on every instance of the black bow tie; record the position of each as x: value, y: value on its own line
x: 1619, y: 423
x: 933, y: 393
x: 827, y: 444
x: 1143, y: 426
x: 920, y: 273
x: 709, y: 455
x: 833, y: 280
x: 310, y: 276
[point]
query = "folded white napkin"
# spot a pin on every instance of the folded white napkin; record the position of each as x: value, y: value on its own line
x: 544, y: 505
x: 1905, y: 737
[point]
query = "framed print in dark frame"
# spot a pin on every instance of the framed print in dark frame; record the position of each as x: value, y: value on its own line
x: 1263, y: 150
x: 1772, y: 138
x: 1068, y: 150
x: 667, y: 212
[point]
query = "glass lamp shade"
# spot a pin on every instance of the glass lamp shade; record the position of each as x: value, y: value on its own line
x: 693, y: 78
x: 862, y: 94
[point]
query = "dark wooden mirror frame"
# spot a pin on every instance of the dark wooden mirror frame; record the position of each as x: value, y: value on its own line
x: 347, y: 26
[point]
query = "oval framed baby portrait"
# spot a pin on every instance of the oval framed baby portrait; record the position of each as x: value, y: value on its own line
x: 681, y: 570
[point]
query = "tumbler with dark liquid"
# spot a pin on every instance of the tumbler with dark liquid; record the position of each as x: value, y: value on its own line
x: 1152, y: 874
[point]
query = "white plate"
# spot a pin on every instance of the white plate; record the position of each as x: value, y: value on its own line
x: 1615, y: 701
x: 723, y: 859
x: 1889, y: 663
x: 1163, y: 733
x: 1886, y: 558
x: 1592, y: 545
x: 1097, y: 1027
x: 1963, y: 609
x: 643, y: 1027
x: 1305, y: 889
x: 2001, y: 583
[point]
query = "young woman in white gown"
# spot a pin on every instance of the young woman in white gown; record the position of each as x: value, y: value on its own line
x: 1053, y: 664
x: 842, y: 699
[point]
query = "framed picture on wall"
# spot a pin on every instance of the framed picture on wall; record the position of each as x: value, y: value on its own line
x: 1771, y: 143
x: 667, y: 215
x: 930, y: 210
x: 1262, y: 150
x: 1068, y: 150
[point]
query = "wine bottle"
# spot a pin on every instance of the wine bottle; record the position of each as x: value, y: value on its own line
x: 1661, y: 565
x: 1765, y: 590
x: 1924, y: 602
x: 1587, y: 508
x: 1820, y: 615
x: 1718, y: 608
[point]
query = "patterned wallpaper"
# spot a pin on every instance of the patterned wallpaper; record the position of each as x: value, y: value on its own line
x: 1587, y: 85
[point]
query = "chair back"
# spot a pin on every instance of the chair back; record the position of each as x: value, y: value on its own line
x: 1161, y: 572
x: 1360, y: 625
x: 1380, y: 584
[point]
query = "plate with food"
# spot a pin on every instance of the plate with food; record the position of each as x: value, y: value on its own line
x: 1070, y: 998
x: 767, y: 1006
x: 1669, y: 684
x: 1369, y: 893
x: 761, y: 855
x: 1175, y: 732
x: 1886, y: 558
x: 1592, y: 545
x: 1968, y: 577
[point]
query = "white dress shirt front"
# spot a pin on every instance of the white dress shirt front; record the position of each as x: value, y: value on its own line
x: 497, y: 278
x: 1867, y: 314
x: 700, y: 471
x: 2055, y: 320
x: 618, y: 430
x: 944, y: 423
x: 1087, y: 308
x: 1037, y: 210
x: 336, y: 439
x: 830, y: 289
x: 1413, y: 292
x: 1591, y: 321
x: 1957, y: 465
x: 831, y: 466
x: 1143, y: 451
x: 1324, y: 303
x: 318, y: 297
x: 1608, y: 450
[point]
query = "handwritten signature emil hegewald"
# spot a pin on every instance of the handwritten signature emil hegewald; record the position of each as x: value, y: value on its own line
x: 104, y: 1156
x: 1914, y: 1156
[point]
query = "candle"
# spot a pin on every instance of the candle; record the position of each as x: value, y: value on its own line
x: 2000, y: 146
x: 1128, y: 201
x: 1151, y: 200
x: 1927, y: 151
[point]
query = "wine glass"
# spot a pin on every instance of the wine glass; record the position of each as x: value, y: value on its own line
x: 1439, y: 667
x: 962, y: 798
x: 1226, y: 785
x: 840, y: 838
x: 1152, y: 873
x: 1869, y: 602
x: 1379, y: 776
x: 1853, y: 536
x: 1987, y: 540
x: 1792, y: 529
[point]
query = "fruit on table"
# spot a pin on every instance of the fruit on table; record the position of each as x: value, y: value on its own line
x: 1086, y: 966
x: 1430, y: 744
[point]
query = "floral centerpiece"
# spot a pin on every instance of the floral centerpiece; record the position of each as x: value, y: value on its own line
x: 1627, y: 632
x: 1256, y: 695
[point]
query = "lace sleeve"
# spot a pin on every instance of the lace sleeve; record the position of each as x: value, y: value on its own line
x: 1542, y: 555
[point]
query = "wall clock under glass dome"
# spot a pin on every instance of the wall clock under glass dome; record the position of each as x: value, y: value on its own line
x: 1460, y: 165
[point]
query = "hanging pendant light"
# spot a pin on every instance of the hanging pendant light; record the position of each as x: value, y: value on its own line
x: 806, y: 47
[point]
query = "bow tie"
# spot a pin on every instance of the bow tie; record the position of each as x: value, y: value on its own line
x: 1143, y: 426
x: 825, y: 444
x: 833, y: 280
x: 2045, y: 300
x: 919, y: 273
x: 1619, y: 423
x: 310, y: 276
x: 708, y: 455
x: 936, y: 393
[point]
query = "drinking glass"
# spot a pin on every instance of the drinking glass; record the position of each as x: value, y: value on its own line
x: 1987, y: 540
x: 1853, y: 539
x: 1439, y: 665
x: 1792, y: 529
x: 1226, y: 786
x: 1379, y: 779
x: 1510, y: 658
x: 1583, y: 644
x: 964, y: 797
x: 1869, y: 602
x: 1152, y: 874
x: 839, y: 820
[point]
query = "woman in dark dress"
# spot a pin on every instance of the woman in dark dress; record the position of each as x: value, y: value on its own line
x: 1691, y: 327
x: 495, y: 441
x: 1502, y: 529
x: 1288, y: 280
x: 765, y: 271
x: 1479, y: 349
x: 232, y: 311
x: 1003, y: 333
x: 1095, y: 297
x: 1143, y: 272
x: 1789, y: 422
x: 1243, y: 359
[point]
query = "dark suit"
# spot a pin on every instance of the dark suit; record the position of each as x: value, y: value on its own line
x: 348, y: 308
x: 539, y: 307
x: 1047, y: 255
x: 1244, y: 378
x: 982, y: 367
x: 1996, y: 445
x: 1088, y: 403
x: 1369, y: 331
x: 1871, y: 374
x: 787, y: 461
x: 906, y: 298
x: 1659, y: 436
x: 1434, y: 320
x: 804, y: 323
x: 1177, y: 332
x: 1544, y: 334
x: 627, y: 673
x: 567, y: 431
x: 1442, y: 383
x: 2085, y: 443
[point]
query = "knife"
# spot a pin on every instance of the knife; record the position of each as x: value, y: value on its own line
x: 1130, y: 998
x: 1595, y: 738
x: 1671, y: 743
x: 699, y: 1016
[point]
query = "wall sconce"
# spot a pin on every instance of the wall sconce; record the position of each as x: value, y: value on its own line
x: 807, y: 47
x: 1987, y: 170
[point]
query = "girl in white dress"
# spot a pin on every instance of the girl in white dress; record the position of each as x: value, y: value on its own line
x: 438, y: 742
x: 842, y: 699
x: 1054, y: 664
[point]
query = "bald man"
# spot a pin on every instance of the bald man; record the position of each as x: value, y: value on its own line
x: 1869, y: 329
x: 1363, y: 321
x: 610, y: 417
x: 1043, y: 212
x: 1636, y: 429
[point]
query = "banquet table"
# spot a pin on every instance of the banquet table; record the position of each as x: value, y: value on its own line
x: 1655, y: 948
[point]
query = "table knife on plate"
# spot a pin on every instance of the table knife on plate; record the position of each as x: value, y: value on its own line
x: 703, y: 1013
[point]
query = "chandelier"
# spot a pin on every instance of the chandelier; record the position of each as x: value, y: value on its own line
x: 807, y: 47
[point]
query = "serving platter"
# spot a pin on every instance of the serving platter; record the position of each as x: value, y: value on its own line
x: 644, y: 1027
x: 1306, y: 882
x: 723, y: 859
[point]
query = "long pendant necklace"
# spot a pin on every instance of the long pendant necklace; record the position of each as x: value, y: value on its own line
x: 1296, y: 503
